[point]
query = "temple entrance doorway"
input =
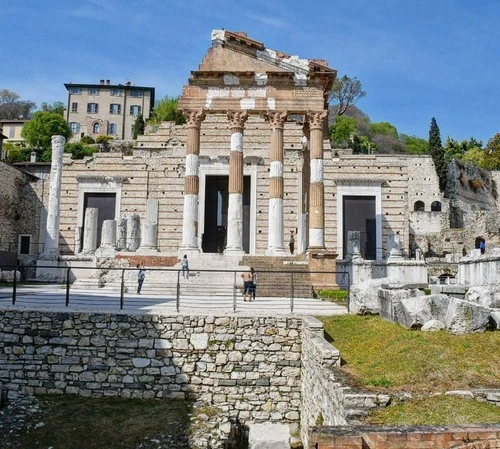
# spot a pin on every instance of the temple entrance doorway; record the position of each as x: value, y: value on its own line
x: 359, y: 215
x: 105, y: 205
x: 216, y: 205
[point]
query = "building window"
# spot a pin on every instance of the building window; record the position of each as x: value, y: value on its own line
x: 12, y: 132
x: 24, y: 246
x: 92, y: 108
x: 93, y: 91
x: 74, y: 107
x: 96, y: 128
x: 75, y: 127
x: 75, y: 90
x: 136, y: 93
x: 116, y: 92
x: 135, y: 110
x: 112, y: 129
x: 436, y: 206
x: 115, y: 108
x: 419, y: 206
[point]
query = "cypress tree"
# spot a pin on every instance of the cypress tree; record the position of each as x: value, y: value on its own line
x: 138, y: 127
x: 437, y: 152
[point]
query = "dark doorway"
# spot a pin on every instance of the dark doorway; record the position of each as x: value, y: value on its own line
x: 105, y: 205
x: 359, y: 215
x: 216, y: 204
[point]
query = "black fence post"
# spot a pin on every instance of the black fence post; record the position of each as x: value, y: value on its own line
x: 291, y: 292
x: 348, y: 293
x: 178, y: 298
x: 14, y: 286
x: 122, y: 290
x: 67, y: 286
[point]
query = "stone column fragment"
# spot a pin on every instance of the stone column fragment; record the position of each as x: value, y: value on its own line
x: 121, y: 242
x: 276, y: 185
x: 108, y: 239
x: 317, y: 188
x: 133, y: 232
x: 90, y: 230
x: 149, y: 230
x: 191, y: 183
x: 51, y: 247
x: 234, y: 244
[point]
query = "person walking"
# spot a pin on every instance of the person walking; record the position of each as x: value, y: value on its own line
x: 141, y: 274
x: 291, y: 245
x: 185, y: 267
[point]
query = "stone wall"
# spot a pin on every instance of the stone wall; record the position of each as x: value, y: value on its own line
x: 20, y: 207
x: 480, y: 436
x: 247, y: 366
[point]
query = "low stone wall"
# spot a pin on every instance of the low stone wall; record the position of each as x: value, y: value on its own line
x: 482, y: 270
x: 480, y: 436
x: 326, y: 401
x: 249, y: 367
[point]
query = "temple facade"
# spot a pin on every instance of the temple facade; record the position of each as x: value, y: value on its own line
x: 251, y: 170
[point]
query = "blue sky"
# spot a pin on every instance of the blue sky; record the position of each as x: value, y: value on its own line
x: 415, y: 58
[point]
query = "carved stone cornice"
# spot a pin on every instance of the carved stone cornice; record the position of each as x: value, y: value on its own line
x: 277, y: 119
x: 237, y: 118
x: 194, y: 118
x: 316, y: 120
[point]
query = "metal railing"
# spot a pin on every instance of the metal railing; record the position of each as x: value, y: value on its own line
x: 223, y: 288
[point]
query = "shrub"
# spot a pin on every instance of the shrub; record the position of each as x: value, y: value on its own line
x: 87, y: 140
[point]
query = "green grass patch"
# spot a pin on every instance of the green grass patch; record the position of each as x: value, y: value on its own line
x: 337, y: 296
x: 382, y: 355
x: 72, y: 422
x: 436, y: 410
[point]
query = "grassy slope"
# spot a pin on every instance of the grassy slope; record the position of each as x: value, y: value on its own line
x: 386, y: 357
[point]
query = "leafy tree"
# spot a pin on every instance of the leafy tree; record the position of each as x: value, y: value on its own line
x: 57, y: 107
x: 493, y: 151
x: 362, y: 144
x: 342, y: 130
x: 12, y: 108
x: 87, y: 140
x: 414, y: 145
x: 38, y: 133
x: 78, y: 150
x: 345, y: 92
x: 15, y: 153
x: 138, y: 127
x: 476, y: 157
x: 103, y: 142
x: 457, y: 150
x: 384, y: 128
x: 437, y: 152
x: 167, y: 110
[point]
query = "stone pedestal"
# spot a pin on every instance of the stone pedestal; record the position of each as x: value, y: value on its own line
x: 133, y: 232
x: 108, y: 239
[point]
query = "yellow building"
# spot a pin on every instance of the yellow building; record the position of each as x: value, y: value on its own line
x: 106, y: 109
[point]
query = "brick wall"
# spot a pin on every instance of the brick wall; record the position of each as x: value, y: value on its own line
x: 422, y: 437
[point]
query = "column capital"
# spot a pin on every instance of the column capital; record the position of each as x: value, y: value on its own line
x: 317, y: 119
x: 276, y: 118
x: 237, y: 118
x: 194, y: 118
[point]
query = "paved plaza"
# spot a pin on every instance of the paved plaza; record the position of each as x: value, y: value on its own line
x: 53, y: 297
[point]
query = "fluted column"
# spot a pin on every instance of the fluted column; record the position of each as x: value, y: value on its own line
x: 51, y: 247
x: 317, y: 189
x: 235, y: 207
x: 276, y: 185
x: 191, y: 183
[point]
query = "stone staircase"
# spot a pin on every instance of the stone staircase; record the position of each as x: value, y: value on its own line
x: 281, y: 276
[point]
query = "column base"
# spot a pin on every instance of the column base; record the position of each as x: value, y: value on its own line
x: 234, y: 252
x: 277, y: 252
x: 188, y: 250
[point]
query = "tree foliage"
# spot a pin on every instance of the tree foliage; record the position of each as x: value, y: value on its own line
x: 138, y: 127
x: 384, y: 128
x: 12, y: 108
x: 342, y: 130
x: 437, y: 152
x: 57, y: 107
x: 414, y: 145
x: 345, y: 92
x: 166, y: 110
x: 78, y: 150
x: 15, y: 153
x: 38, y: 133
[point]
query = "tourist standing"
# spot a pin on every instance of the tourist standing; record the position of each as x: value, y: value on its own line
x: 185, y: 267
x: 254, y: 283
x: 291, y: 245
x: 141, y: 274
x: 247, y: 284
